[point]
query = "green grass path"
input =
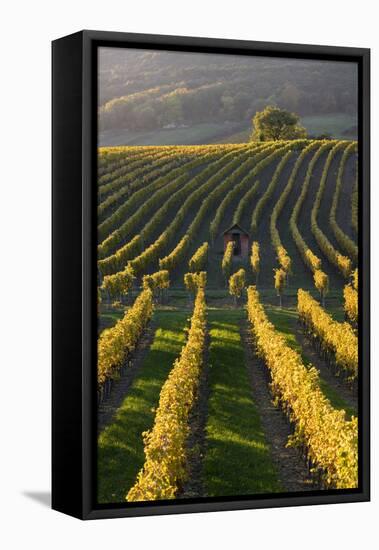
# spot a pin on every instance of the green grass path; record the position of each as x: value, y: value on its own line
x: 120, y: 445
x: 237, y: 459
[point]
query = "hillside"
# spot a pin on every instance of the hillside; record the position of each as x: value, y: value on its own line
x: 207, y: 98
x: 160, y: 181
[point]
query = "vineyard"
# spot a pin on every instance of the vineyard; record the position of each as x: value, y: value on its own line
x: 228, y: 319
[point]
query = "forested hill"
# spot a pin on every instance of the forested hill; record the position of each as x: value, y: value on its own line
x: 149, y: 91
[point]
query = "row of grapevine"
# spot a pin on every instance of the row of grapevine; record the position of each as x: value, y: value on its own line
x: 128, y: 173
x: 189, y: 193
x: 113, y: 156
x: 158, y: 282
x: 280, y: 281
x: 166, y: 462
x: 355, y: 278
x: 107, y: 210
x: 109, y: 163
x: 343, y: 240
x: 234, y: 191
x: 227, y: 260
x: 111, y: 159
x: 343, y: 263
x: 119, y: 284
x: 156, y: 169
x: 328, y: 440
x: 117, y: 343
x: 255, y: 260
x: 237, y: 283
x: 262, y: 157
x: 176, y: 256
x: 152, y: 252
x: 282, y: 273
x: 336, y: 341
x: 246, y: 200
x: 282, y: 255
x: 350, y: 293
x: 125, y: 159
x: 194, y: 281
x: 350, y: 306
x: 111, y: 153
x: 119, y: 164
x: 310, y: 259
x: 269, y: 191
x: 117, y: 262
x: 108, y: 160
x: 143, y: 202
x: 131, y: 173
x: 284, y: 260
x: 199, y: 259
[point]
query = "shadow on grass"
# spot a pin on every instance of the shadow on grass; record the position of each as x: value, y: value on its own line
x: 237, y: 459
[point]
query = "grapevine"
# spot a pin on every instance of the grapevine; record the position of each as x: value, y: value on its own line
x: 336, y: 341
x: 198, y: 261
x: 116, y: 344
x: 343, y: 240
x: 255, y: 260
x: 343, y: 263
x: 166, y: 455
x: 330, y: 441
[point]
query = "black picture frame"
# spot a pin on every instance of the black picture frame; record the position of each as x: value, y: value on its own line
x: 74, y: 134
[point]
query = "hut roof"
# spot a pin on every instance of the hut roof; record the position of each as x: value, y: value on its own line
x: 234, y: 228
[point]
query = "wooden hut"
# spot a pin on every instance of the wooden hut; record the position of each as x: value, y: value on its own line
x: 240, y: 238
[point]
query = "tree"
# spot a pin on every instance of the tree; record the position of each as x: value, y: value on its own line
x: 273, y: 124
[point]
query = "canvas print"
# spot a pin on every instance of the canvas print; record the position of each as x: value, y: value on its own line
x: 227, y: 274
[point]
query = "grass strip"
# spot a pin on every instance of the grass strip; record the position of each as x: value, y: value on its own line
x: 237, y: 459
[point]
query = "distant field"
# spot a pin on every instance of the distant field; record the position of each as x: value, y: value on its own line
x: 339, y: 125
x: 197, y: 134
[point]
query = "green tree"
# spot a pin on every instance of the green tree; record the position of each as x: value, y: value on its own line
x: 273, y: 124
